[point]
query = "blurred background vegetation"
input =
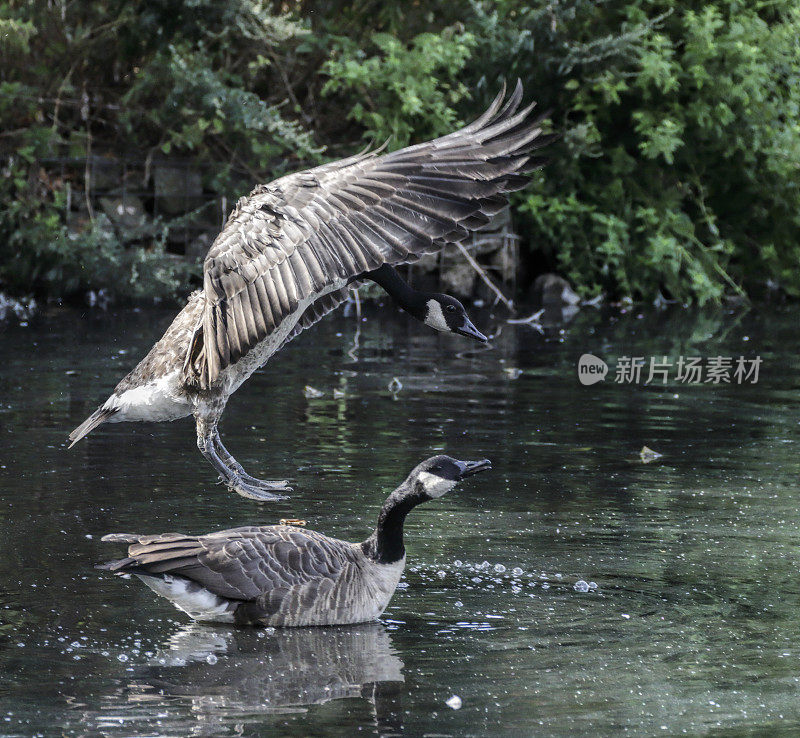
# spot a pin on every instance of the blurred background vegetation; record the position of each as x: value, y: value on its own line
x: 676, y: 174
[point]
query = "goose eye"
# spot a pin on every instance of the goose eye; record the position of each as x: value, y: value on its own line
x: 451, y: 308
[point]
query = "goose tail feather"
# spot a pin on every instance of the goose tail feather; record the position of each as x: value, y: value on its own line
x: 99, y: 416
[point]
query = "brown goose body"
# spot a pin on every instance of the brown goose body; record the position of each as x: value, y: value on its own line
x: 280, y: 575
x: 291, y: 251
x: 267, y: 575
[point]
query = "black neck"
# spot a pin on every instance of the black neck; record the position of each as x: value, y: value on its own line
x: 385, y: 545
x: 411, y: 300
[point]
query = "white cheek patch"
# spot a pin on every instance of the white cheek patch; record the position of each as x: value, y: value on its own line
x: 435, y: 317
x: 435, y: 485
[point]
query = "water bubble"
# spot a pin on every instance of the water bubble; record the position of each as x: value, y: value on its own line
x: 484, y: 565
x: 454, y: 702
x: 581, y: 586
x: 441, y: 574
x: 459, y: 603
x: 122, y: 657
x: 592, y: 585
x: 499, y: 568
x: 477, y: 580
x: 545, y: 585
x: 76, y: 644
x: 559, y: 576
x: 270, y: 630
x: 211, y: 659
x: 516, y: 571
x: 458, y: 563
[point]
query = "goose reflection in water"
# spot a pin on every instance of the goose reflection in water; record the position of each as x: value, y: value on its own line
x: 223, y: 674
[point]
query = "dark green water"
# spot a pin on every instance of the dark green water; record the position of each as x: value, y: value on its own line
x: 693, y: 627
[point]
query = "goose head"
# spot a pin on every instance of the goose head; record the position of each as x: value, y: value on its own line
x: 429, y: 480
x: 436, y: 476
x: 446, y: 314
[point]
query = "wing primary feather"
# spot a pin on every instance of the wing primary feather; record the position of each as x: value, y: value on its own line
x: 482, y: 120
x: 272, y: 297
x: 291, y: 283
x: 250, y: 335
x: 223, y: 353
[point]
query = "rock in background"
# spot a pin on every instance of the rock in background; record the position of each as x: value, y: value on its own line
x: 495, y: 247
x: 550, y: 290
x: 177, y: 189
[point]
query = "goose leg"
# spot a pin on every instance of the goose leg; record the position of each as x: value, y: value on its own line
x: 232, y: 473
x: 229, y: 461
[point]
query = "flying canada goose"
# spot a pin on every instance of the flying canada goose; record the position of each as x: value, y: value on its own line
x: 291, y: 251
x: 285, y: 576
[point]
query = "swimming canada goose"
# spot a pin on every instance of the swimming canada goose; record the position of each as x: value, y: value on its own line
x: 285, y: 576
x: 291, y: 251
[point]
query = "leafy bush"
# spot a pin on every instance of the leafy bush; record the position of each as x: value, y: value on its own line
x: 403, y: 90
x: 677, y: 170
x: 195, y: 78
x: 42, y: 254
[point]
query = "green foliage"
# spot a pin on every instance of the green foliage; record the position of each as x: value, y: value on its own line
x: 42, y: 253
x: 404, y: 90
x: 676, y: 173
x: 161, y: 79
x: 679, y: 166
x: 15, y: 35
x: 207, y: 93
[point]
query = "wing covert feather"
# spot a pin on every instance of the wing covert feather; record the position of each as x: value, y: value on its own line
x: 242, y: 563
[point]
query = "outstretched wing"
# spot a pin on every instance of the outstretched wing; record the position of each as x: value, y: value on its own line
x: 306, y: 234
x: 239, y: 564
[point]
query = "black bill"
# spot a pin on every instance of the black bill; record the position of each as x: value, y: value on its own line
x: 468, y: 468
x: 470, y: 331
